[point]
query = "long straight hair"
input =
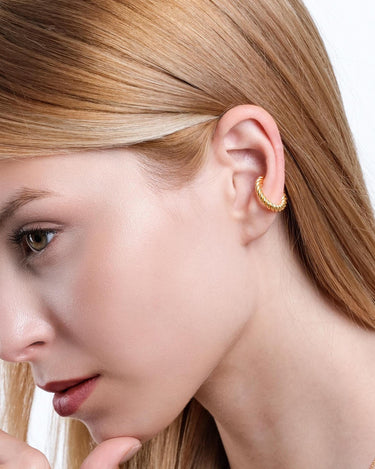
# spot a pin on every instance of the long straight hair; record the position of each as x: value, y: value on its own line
x: 156, y: 75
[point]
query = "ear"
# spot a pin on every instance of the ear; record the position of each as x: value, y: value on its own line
x: 247, y: 143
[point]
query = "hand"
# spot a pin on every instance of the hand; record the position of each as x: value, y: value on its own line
x: 110, y: 453
x: 15, y: 454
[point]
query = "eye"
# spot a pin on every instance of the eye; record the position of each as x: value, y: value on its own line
x: 33, y: 241
x: 37, y: 241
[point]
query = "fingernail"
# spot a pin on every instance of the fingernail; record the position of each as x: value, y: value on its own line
x: 130, y: 453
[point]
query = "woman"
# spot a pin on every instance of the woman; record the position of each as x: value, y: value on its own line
x: 187, y: 243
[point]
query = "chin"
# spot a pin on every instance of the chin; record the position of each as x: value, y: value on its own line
x: 102, y: 432
x: 104, y: 425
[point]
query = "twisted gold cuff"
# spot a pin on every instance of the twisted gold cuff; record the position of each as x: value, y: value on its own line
x: 270, y: 205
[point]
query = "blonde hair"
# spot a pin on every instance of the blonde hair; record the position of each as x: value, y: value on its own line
x: 157, y: 75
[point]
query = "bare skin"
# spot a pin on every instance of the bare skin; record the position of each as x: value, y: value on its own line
x: 300, y: 381
x: 15, y: 454
x: 174, y: 294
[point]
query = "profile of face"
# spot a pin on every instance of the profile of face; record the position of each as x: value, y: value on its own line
x: 140, y: 285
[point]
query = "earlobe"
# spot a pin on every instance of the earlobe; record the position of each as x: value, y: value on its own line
x: 248, y: 142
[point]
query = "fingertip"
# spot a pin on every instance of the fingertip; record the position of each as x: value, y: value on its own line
x: 129, y: 453
x: 110, y: 453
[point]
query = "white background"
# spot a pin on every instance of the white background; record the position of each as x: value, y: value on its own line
x: 347, y: 28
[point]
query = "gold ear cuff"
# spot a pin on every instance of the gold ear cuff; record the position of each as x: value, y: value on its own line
x: 270, y: 205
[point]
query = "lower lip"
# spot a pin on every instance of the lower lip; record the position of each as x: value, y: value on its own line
x: 68, y: 402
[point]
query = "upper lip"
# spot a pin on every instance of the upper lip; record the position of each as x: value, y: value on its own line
x: 58, y: 386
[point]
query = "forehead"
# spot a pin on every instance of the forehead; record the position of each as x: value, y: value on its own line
x: 61, y: 170
x: 109, y: 178
x: 75, y: 180
x: 113, y: 179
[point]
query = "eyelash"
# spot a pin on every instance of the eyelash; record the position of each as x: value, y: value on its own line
x: 18, y: 237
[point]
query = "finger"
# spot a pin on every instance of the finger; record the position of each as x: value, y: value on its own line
x: 8, y: 446
x: 16, y: 453
x: 111, y: 453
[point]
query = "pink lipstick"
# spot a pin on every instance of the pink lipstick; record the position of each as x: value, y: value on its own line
x: 70, y: 395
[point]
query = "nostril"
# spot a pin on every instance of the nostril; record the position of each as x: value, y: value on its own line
x: 29, y: 353
x: 24, y: 337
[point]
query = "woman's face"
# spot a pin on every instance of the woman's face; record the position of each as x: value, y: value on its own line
x: 144, y: 287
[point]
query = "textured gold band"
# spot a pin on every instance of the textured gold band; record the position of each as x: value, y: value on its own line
x: 271, y: 206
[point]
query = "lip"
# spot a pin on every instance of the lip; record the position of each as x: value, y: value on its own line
x: 59, y: 386
x: 70, y: 394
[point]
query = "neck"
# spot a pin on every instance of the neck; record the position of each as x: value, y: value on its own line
x: 297, y: 389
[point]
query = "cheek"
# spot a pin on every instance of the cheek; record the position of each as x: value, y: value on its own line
x: 155, y: 313
x: 155, y: 290
x: 146, y: 297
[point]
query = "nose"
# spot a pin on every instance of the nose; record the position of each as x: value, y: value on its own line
x: 25, y: 332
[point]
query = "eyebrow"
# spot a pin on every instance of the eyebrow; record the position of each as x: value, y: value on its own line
x: 22, y: 197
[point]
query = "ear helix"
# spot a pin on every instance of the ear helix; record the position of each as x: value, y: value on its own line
x: 270, y: 205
